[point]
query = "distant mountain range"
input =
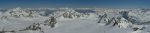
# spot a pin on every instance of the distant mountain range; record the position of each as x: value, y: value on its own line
x: 74, y: 20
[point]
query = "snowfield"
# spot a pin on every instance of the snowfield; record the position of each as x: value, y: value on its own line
x: 70, y: 20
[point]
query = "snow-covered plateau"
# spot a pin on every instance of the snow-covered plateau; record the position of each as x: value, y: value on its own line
x: 74, y: 20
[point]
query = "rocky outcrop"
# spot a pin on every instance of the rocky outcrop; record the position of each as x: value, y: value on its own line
x: 19, y: 13
x: 4, y: 17
x: 3, y: 31
x: 102, y: 17
x: 71, y: 15
x: 114, y: 21
x: 37, y: 26
x: 137, y: 28
x: 51, y: 22
x: 67, y: 15
x: 34, y: 26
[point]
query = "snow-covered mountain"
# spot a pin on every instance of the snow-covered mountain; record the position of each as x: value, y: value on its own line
x: 74, y: 20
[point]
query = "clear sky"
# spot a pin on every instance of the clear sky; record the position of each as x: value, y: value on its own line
x: 74, y: 3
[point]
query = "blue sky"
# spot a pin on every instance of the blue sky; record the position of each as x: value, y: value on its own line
x: 74, y: 3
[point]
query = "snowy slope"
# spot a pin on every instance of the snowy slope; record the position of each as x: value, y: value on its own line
x: 69, y: 20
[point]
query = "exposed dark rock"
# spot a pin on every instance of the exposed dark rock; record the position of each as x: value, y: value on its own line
x: 33, y: 27
x: 142, y: 28
x: 102, y: 17
x: 3, y: 31
x: 67, y: 15
x: 113, y: 20
x: 36, y: 26
x: 116, y: 21
x: 51, y: 22
x: 4, y: 17
x: 135, y: 29
x: 109, y: 21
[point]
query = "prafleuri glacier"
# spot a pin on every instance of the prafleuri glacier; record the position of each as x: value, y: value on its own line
x: 74, y: 20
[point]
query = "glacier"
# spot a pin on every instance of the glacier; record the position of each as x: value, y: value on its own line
x: 74, y: 20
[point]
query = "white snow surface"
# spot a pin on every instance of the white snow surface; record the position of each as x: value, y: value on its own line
x: 87, y: 23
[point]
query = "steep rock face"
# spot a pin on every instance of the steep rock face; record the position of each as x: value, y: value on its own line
x: 114, y: 21
x: 51, y: 22
x: 102, y: 17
